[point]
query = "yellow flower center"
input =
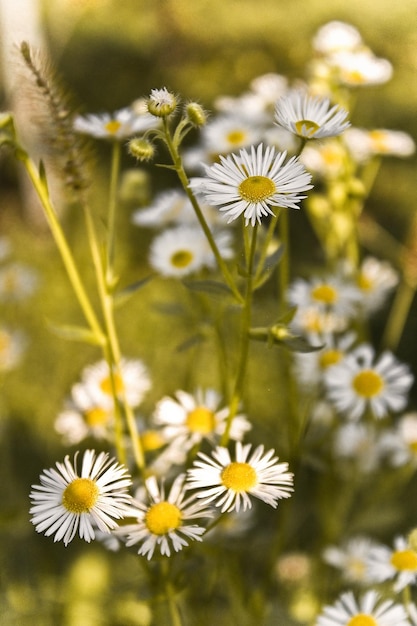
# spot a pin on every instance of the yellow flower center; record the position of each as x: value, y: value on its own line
x: 306, y: 128
x: 106, y: 385
x: 354, y: 76
x: 201, y: 420
x: 330, y: 357
x: 162, y: 517
x: 364, y: 282
x: 325, y: 294
x: 236, y: 137
x: 80, y: 495
x: 151, y: 440
x: 239, y: 477
x: 181, y: 258
x: 413, y: 446
x: 362, y: 620
x: 404, y: 560
x: 112, y: 127
x: 256, y: 188
x: 356, y: 567
x: 379, y: 140
x: 368, y: 383
x: 96, y: 416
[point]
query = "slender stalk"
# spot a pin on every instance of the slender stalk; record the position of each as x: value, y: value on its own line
x: 267, y: 242
x: 63, y: 248
x: 111, y: 216
x: 177, y: 161
x: 398, y: 315
x: 284, y: 266
x: 244, y: 346
x: 113, y: 356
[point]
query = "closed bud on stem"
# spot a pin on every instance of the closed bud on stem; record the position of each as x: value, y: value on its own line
x: 196, y: 114
x: 141, y: 149
x: 161, y: 102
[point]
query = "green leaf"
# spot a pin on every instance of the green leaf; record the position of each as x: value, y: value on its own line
x: 125, y: 294
x: 76, y: 333
x: 270, y: 264
x: 210, y: 287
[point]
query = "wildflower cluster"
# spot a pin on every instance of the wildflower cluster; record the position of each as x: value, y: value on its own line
x: 199, y: 468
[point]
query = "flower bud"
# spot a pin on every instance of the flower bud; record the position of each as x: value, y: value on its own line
x: 161, y: 102
x: 196, y: 114
x: 141, y: 149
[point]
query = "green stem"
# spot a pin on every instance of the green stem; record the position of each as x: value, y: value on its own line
x: 113, y: 356
x: 284, y: 266
x: 244, y: 347
x: 398, y: 315
x: 63, y: 247
x: 111, y: 216
x: 176, y: 159
x: 266, y: 243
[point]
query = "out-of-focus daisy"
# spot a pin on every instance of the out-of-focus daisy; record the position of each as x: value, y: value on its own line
x: 95, y: 388
x: 17, y: 281
x: 228, y: 133
x: 173, y: 207
x: 184, y: 250
x: 74, y: 424
x: 269, y: 87
x: 362, y: 381
x: 364, y: 144
x: 197, y: 417
x: 358, y: 443
x: 293, y: 568
x: 350, y: 558
x: 12, y: 347
x: 400, y: 444
x: 228, y: 484
x: 369, y: 610
x: 326, y: 159
x: 310, y: 117
x: 375, y: 279
x: 311, y: 366
x: 119, y: 125
x: 312, y: 321
x: 398, y: 563
x: 333, y: 294
x: 359, y: 68
x: 336, y: 36
x: 68, y: 502
x: 164, y: 521
x: 250, y: 183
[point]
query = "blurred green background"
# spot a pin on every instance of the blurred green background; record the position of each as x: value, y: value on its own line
x: 108, y: 53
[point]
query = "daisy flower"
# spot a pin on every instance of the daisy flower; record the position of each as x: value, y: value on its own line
x: 95, y: 388
x: 375, y: 279
x: 328, y: 294
x: 310, y: 367
x: 197, y: 417
x: 228, y: 484
x: 184, y: 250
x: 249, y: 184
x: 119, y: 125
x: 326, y: 159
x: 350, y: 558
x: 74, y: 425
x: 365, y: 144
x: 362, y: 381
x: 68, y: 502
x: 399, y: 563
x: 336, y: 36
x: 310, y: 117
x: 227, y: 133
x: 400, y: 445
x: 370, y: 610
x: 164, y: 521
x: 360, y: 68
